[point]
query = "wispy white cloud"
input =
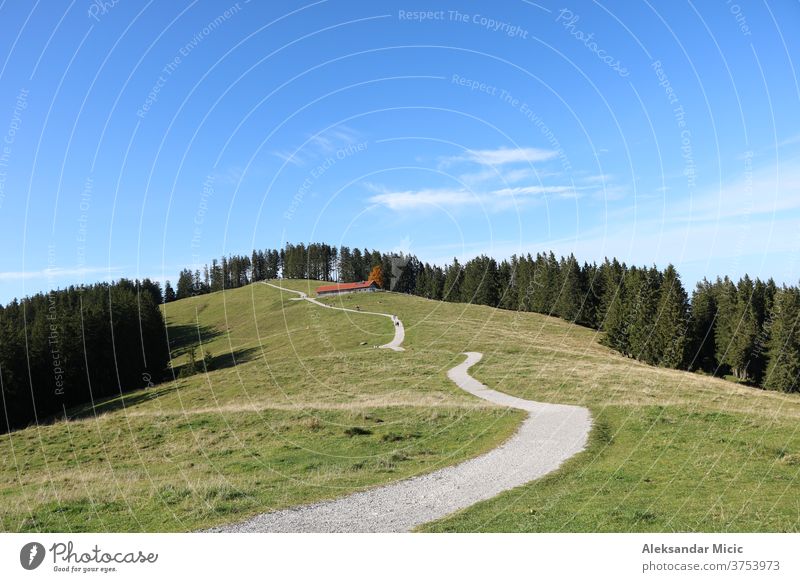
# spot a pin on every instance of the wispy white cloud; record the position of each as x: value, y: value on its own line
x: 229, y: 175
x: 765, y: 190
x: 611, y: 192
x: 481, y: 176
x: 415, y: 199
x: 320, y: 144
x: 289, y: 157
x: 791, y: 140
x: 560, y: 191
x: 498, y: 179
x: 502, y: 156
x: 493, y: 200
x: 598, y: 179
x: 505, y: 175
x: 333, y: 139
x: 519, y: 174
x: 57, y: 273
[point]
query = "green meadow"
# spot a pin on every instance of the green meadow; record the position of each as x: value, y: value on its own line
x: 297, y: 405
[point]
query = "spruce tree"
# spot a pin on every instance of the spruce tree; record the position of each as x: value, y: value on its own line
x: 611, y: 274
x: 761, y: 306
x: 744, y: 326
x: 727, y: 320
x: 185, y: 284
x: 552, y: 284
x: 489, y: 292
x: 525, y: 284
x: 505, y: 281
x: 422, y: 286
x: 670, y: 332
x: 544, y: 284
x: 169, y: 292
x: 615, y: 325
x: 702, y: 326
x: 454, y: 274
x: 570, y: 297
x: 473, y: 274
x: 643, y: 312
x: 783, y: 371
x: 592, y: 293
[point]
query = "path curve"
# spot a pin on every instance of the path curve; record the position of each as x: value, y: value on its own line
x: 399, y: 331
x: 551, y: 434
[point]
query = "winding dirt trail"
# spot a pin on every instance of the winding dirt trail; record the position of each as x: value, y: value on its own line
x: 399, y: 331
x: 551, y: 434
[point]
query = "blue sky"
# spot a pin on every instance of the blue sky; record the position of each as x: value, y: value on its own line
x: 136, y: 138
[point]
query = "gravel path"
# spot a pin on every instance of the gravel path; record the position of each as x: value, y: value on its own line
x: 551, y: 434
x: 399, y: 331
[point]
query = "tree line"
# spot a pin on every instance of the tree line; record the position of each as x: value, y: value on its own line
x: 77, y: 345
x: 746, y: 329
x: 73, y: 346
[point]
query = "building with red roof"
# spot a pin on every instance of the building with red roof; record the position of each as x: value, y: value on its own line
x: 348, y: 288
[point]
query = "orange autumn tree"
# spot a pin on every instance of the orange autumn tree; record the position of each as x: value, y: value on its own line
x: 376, y: 274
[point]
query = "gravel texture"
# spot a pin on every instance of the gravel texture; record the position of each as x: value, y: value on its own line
x: 551, y: 434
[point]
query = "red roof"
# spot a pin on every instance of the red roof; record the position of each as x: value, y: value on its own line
x: 346, y: 286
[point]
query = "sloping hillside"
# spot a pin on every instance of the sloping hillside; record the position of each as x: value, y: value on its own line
x: 295, y: 410
x: 312, y: 411
x: 670, y: 450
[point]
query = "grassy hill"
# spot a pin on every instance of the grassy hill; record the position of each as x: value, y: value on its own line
x: 301, y: 407
x: 295, y: 410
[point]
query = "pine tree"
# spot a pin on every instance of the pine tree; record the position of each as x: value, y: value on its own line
x: 357, y: 265
x: 743, y: 331
x: 643, y: 312
x: 421, y: 288
x: 226, y: 274
x: 489, y: 291
x: 524, y: 284
x: 257, y: 270
x: 615, y: 326
x: 762, y: 306
x: 405, y: 270
x: 216, y: 276
x: 783, y: 371
x: 592, y: 292
x: 570, y: 298
x: 702, y: 327
x: 670, y: 332
x: 480, y: 284
x: 185, y: 284
x: 436, y: 283
x: 169, y: 292
x: 454, y: 274
x: 506, y: 281
x: 727, y: 320
x: 345, y: 265
x: 611, y: 274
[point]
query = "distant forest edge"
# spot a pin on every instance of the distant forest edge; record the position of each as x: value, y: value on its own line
x: 747, y: 330
x: 74, y: 346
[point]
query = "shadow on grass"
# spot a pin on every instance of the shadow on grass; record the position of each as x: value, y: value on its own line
x: 182, y: 337
x: 114, y: 403
x: 221, y: 362
x: 117, y: 402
